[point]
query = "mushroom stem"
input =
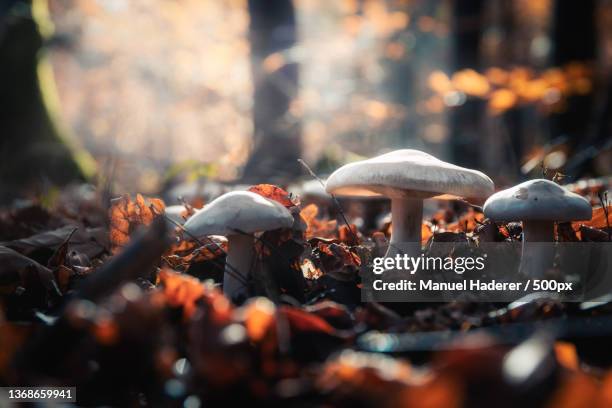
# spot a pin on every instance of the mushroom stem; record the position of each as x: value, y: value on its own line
x: 538, y: 248
x: 240, y: 256
x: 406, y: 222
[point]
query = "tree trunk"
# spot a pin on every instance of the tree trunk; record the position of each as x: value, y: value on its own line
x: 466, y: 120
x: 574, y: 39
x: 277, y: 144
x: 32, y: 150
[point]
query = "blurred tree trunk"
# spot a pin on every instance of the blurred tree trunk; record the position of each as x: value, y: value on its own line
x: 513, y: 117
x: 399, y: 86
x: 574, y: 40
x: 508, y: 162
x: 32, y: 150
x: 466, y: 120
x: 277, y: 144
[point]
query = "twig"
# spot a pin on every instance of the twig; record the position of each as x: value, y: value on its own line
x: 603, y: 198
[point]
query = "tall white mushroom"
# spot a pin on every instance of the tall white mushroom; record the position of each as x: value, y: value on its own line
x: 408, y: 177
x: 238, y: 215
x: 538, y: 204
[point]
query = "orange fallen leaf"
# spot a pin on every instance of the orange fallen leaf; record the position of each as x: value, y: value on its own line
x: 316, y: 227
x: 181, y: 291
x: 273, y: 192
x: 126, y: 214
x: 598, y: 220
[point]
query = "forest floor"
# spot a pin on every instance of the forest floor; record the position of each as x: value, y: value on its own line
x: 127, y: 307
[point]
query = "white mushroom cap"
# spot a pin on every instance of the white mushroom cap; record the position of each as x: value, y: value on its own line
x: 537, y: 200
x: 409, y: 173
x: 239, y: 211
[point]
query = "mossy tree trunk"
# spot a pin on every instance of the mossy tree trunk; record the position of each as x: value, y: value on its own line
x: 33, y: 152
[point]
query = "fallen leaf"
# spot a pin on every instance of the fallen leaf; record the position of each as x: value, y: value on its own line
x: 181, y: 291
x: 275, y: 193
x: 18, y: 270
x: 314, y: 226
x: 126, y: 214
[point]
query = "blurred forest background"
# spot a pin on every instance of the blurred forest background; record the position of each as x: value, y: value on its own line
x: 139, y: 94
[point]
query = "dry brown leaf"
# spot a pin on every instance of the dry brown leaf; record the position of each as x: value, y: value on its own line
x: 273, y: 192
x: 125, y: 215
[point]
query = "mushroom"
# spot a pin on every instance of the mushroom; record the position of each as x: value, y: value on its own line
x: 408, y: 177
x: 238, y: 215
x: 538, y: 204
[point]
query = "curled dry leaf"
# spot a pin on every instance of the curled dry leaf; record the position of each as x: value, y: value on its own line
x: 339, y: 251
x: 187, y: 252
x: 316, y: 227
x: 126, y: 214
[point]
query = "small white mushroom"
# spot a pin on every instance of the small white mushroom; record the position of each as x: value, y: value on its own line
x: 238, y: 215
x: 538, y: 204
x: 408, y: 177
